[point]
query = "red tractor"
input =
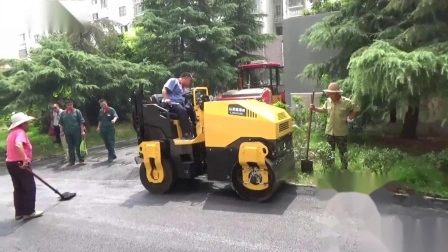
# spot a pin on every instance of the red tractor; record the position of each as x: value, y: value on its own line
x: 258, y: 80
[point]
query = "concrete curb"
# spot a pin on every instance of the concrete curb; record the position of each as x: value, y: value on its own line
x: 440, y: 200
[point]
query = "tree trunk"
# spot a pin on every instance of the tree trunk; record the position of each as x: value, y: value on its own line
x: 393, y: 115
x: 409, y: 129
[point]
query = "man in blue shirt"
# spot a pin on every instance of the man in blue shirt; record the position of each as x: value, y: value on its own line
x: 172, y: 93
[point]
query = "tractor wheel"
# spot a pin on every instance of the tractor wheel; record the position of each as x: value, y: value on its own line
x: 168, y: 182
x: 252, y: 195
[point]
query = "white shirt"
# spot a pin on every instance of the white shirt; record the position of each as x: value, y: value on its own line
x: 56, y: 116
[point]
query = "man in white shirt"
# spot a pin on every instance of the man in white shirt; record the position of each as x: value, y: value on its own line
x: 55, y: 122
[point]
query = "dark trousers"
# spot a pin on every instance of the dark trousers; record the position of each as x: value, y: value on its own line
x: 181, y: 111
x: 74, y: 144
x: 191, y: 114
x: 24, y: 189
x: 108, y: 136
x: 57, y: 133
x: 341, y: 143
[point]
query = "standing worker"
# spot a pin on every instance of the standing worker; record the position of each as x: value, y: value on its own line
x: 18, y: 158
x: 341, y: 110
x: 55, y: 115
x: 106, y: 126
x: 72, y: 126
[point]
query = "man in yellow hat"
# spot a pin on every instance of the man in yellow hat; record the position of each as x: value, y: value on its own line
x: 341, y: 110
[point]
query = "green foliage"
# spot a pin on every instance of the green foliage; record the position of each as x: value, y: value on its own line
x: 207, y: 38
x: 246, y: 26
x: 381, y: 160
x: 323, y: 154
x: 396, y: 75
x: 321, y: 6
x: 389, y: 52
x: 189, y: 36
x: 281, y: 105
x: 56, y: 71
x: 424, y: 173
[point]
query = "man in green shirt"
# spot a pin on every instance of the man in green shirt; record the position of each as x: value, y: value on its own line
x: 106, y: 126
x: 340, y: 110
x: 71, y: 123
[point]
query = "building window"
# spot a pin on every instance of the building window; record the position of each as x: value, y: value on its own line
x: 279, y: 30
x: 95, y: 16
x: 94, y: 2
x: 138, y: 9
x: 23, y: 54
x: 124, y: 28
x: 122, y: 11
x: 278, y: 10
x: 103, y: 4
x: 37, y: 38
x: 22, y: 37
x: 295, y: 3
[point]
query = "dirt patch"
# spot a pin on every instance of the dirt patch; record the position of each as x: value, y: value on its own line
x: 414, y: 147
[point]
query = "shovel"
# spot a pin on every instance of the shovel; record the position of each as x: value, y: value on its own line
x: 307, y: 165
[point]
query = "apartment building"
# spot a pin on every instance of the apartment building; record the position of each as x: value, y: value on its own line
x: 277, y: 11
x: 39, y: 17
x: 122, y: 11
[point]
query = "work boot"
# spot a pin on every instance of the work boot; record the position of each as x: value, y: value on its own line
x: 35, y: 214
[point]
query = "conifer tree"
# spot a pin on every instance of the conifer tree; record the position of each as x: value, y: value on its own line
x: 189, y: 36
x: 56, y: 71
x: 247, y: 36
x: 392, y: 52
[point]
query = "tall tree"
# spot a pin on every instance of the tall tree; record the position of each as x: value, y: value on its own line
x: 56, y: 71
x: 189, y: 36
x: 390, y: 52
x: 247, y: 23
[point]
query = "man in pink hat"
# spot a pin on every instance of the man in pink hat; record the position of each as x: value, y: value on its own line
x: 341, y: 110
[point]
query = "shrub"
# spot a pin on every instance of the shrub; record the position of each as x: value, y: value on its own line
x: 441, y: 161
x: 323, y: 154
x: 381, y: 160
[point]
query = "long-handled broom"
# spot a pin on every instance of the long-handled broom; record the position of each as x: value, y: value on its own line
x: 62, y: 196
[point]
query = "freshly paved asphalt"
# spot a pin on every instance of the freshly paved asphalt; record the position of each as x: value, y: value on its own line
x: 113, y: 212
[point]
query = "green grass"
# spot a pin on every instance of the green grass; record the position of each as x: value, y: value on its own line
x: 43, y: 145
x: 378, y: 164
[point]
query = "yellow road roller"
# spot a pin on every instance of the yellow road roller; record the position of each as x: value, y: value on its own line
x: 245, y: 142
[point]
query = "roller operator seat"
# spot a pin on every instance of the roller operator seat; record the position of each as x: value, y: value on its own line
x: 157, y: 99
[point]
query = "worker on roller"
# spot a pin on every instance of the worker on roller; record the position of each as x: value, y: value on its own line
x: 172, y: 93
x: 341, y: 110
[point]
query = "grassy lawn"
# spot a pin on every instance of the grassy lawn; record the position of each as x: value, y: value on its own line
x: 420, y: 165
x: 43, y: 145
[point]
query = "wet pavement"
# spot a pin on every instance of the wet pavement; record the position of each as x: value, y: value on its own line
x: 113, y: 212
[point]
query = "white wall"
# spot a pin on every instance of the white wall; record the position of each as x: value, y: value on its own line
x: 31, y: 17
x: 268, y: 8
x: 112, y: 10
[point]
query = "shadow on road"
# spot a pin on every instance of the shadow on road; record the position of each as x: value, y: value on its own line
x: 8, y: 227
x: 199, y: 192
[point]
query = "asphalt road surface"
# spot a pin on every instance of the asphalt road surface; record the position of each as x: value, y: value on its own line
x: 113, y: 212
